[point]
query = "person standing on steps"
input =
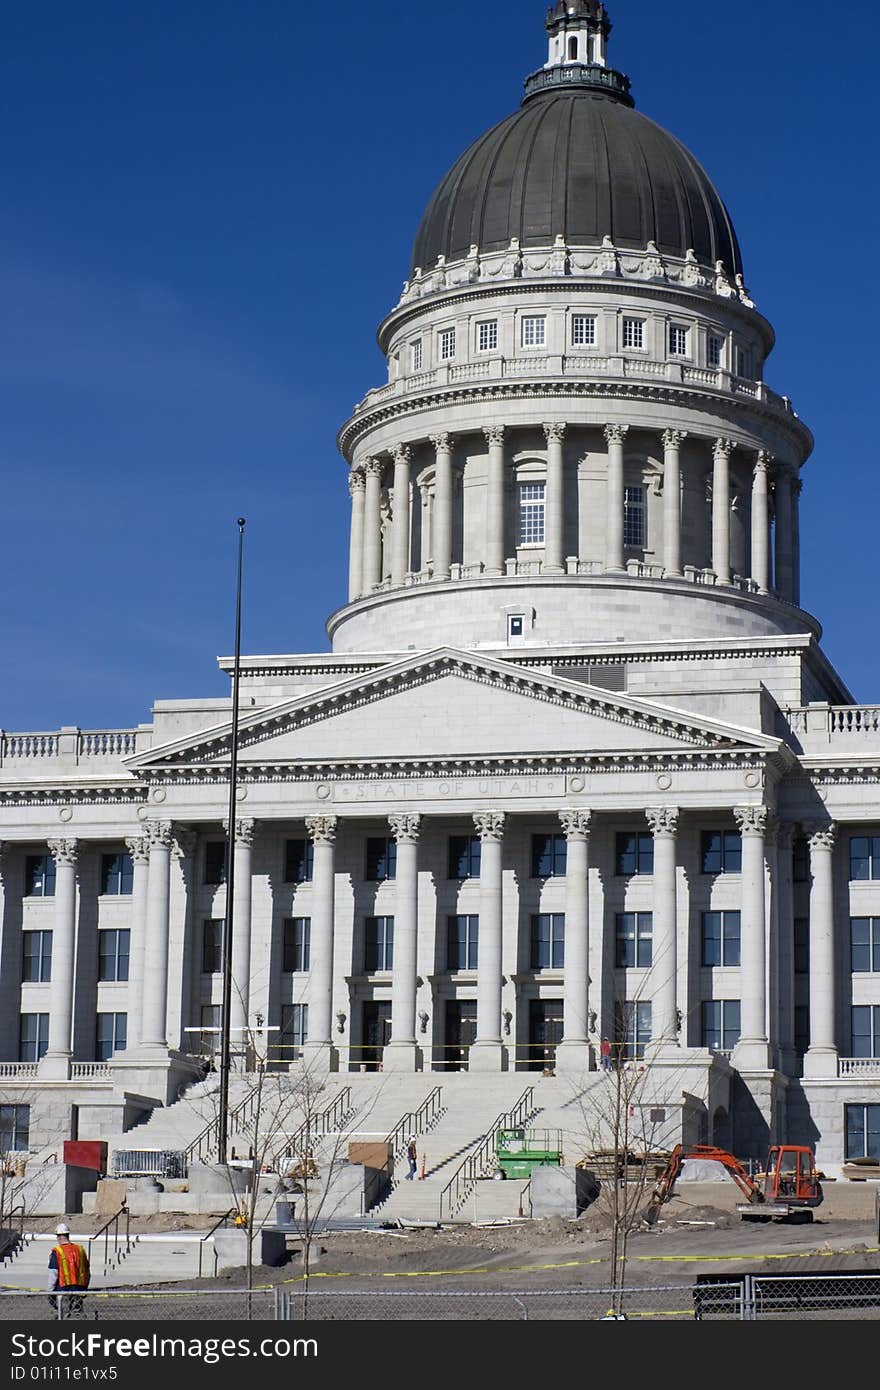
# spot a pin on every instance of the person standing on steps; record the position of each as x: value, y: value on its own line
x: 68, y: 1273
x: 412, y: 1159
x: 605, y: 1054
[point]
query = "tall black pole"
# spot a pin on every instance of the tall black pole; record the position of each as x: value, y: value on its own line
x: 226, y: 1007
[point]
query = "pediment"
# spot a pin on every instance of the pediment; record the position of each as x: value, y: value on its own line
x: 447, y: 705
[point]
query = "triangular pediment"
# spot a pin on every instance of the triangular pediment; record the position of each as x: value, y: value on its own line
x: 448, y: 705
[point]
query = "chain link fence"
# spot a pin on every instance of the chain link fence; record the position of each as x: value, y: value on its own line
x: 140, y: 1305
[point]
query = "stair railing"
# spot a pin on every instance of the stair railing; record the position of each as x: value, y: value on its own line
x: 315, y: 1126
x: 233, y: 1211
x: 123, y: 1215
x: 478, y: 1163
x: 415, y: 1122
x: 207, y: 1142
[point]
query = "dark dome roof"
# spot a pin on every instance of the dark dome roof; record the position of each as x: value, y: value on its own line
x: 584, y: 164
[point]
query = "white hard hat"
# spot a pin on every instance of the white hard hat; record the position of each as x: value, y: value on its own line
x: 62, y: 1230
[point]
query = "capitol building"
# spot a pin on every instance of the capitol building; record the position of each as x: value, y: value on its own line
x: 575, y: 766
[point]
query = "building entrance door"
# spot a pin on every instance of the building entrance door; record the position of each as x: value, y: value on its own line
x: 545, y: 1031
x: 461, y: 1030
x: 375, y: 1033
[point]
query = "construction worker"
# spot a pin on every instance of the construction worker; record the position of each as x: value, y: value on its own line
x: 68, y: 1272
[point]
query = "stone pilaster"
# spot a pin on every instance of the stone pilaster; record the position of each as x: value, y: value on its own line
x: 55, y: 1065
x: 573, y: 1053
x: 752, y: 1052
x: 400, y: 1052
x: 487, y: 1052
x: 357, y: 489
x: 554, y: 501
x: 821, y: 1058
x: 672, y: 442
x: 495, y: 501
x: 615, y: 436
x: 442, y: 505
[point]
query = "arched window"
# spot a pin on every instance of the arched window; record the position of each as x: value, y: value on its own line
x: 573, y: 46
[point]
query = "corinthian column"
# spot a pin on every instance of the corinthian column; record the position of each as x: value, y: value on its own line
x: 155, y: 998
x: 400, y: 516
x: 721, y: 510
x: 56, y: 1062
x: 400, y: 1052
x: 442, y: 505
x: 357, y: 489
x: 318, y: 1049
x: 672, y: 442
x: 486, y: 1051
x: 821, y: 1058
x: 761, y: 523
x: 554, y: 501
x: 573, y: 1053
x: 241, y: 936
x: 139, y: 849
x: 752, y: 1052
x: 495, y: 501
x: 614, y: 437
x: 782, y: 492
x: 372, y: 526
x: 663, y: 821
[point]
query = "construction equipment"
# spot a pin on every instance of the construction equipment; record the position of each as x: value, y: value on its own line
x: 519, y: 1151
x: 788, y: 1185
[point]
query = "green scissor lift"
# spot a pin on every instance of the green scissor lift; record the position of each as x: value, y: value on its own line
x: 520, y: 1151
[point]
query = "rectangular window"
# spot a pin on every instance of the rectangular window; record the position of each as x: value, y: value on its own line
x: 462, y: 941
x: 721, y: 938
x: 117, y: 875
x: 635, y: 517
x: 111, y: 1035
x: 464, y: 856
x: 634, y: 853
x: 678, y: 340
x: 862, y: 1131
x: 548, y: 941
x: 534, y: 331
x: 416, y: 355
x: 716, y: 348
x: 299, y: 859
x: 634, y: 333
x: 721, y: 852
x: 864, y: 857
x: 294, y: 1029
x: 583, y: 330
x: 447, y: 345
x: 381, y: 858
x: 531, y: 513
x: 378, y: 944
x: 866, y: 1030
x: 632, y: 1028
x: 633, y: 940
x: 487, y: 336
x: 113, y: 951
x: 295, y: 955
x: 39, y: 878
x: 209, y: 1020
x: 215, y: 861
x: 802, y: 945
x: 549, y: 856
x: 864, y: 934
x: 33, y: 1037
x: 36, y: 962
x: 742, y: 362
x: 721, y: 1024
x: 212, y: 946
x: 15, y: 1123
x: 800, y: 860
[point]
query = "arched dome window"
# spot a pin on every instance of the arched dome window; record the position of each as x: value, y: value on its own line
x: 573, y: 46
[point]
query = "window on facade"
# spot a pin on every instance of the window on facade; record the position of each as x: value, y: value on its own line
x: 715, y: 350
x: 583, y: 330
x: 215, y: 861
x: 801, y: 1028
x: 117, y: 875
x: 534, y: 331
x: 800, y: 860
x: 742, y: 362
x: 36, y: 960
x: 864, y: 857
x: 15, y: 1123
x: 635, y: 517
x: 381, y: 858
x: 462, y: 941
x: 464, y: 856
x: 294, y: 1029
x: 548, y: 941
x: 573, y: 47
x: 864, y: 935
x: 721, y: 938
x: 299, y: 859
x: 33, y: 1037
x: 678, y: 340
x: 634, y: 853
x: 295, y: 954
x: 632, y: 1027
x: 634, y: 333
x: 447, y: 345
x: 549, y: 856
x: 721, y: 852
x: 111, y: 1035
x: 531, y: 513
x: 633, y: 940
x: 862, y: 1131
x: 416, y: 355
x: 209, y: 1022
x: 802, y: 945
x: 866, y: 1030
x: 39, y: 877
x: 113, y: 951
x: 487, y: 335
x: 721, y: 1024
x: 378, y: 944
x: 212, y: 946
x: 515, y: 626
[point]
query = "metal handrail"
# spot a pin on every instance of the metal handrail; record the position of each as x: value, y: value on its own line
x: 414, y: 1122
x: 105, y: 1232
x: 20, y: 1211
x: 210, y: 1236
x: 477, y: 1163
x: 207, y: 1141
x: 317, y: 1125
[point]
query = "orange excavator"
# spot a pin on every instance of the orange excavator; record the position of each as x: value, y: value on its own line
x: 789, y: 1183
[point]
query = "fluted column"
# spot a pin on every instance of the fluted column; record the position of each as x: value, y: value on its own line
x: 318, y: 1050
x: 400, y: 1053
x: 155, y: 997
x: 495, y: 501
x: 357, y: 489
x: 554, y: 509
x: 56, y: 1062
x: 442, y: 505
x: 400, y: 520
x: 486, y: 1053
x: 614, y: 437
x: 782, y: 492
x: 663, y: 822
x: 672, y: 442
x: 139, y: 849
x: 761, y: 523
x: 573, y: 1053
x: 372, y: 525
x: 785, y: 947
x: 752, y: 1051
x: 821, y: 1058
x: 241, y: 937
x: 721, y: 509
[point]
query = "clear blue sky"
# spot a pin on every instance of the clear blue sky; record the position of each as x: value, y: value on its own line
x: 206, y: 209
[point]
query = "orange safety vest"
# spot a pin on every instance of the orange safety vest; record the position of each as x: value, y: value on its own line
x: 73, y: 1266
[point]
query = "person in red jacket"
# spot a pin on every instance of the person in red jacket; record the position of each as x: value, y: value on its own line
x: 69, y: 1273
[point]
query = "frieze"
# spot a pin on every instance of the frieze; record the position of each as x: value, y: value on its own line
x: 440, y: 789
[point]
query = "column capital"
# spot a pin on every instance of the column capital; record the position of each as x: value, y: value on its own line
x: 442, y: 441
x: 576, y: 824
x: 403, y: 453
x: 494, y: 434
x: 616, y: 434
x: 245, y: 829
x: 139, y: 848
x: 64, y: 852
x: 555, y: 432
x: 752, y: 820
x: 158, y: 833
x: 662, y: 820
x: 405, y: 827
x: 763, y: 461
x: 356, y: 481
x: 322, y: 829
x: 490, y: 825
x: 374, y: 468
x: 673, y: 439
x: 821, y: 835
x: 723, y: 448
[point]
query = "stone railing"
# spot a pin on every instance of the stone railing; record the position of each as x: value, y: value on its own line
x: 820, y: 723
x: 71, y: 746
x: 90, y: 1071
x: 858, y: 1066
x: 18, y: 1071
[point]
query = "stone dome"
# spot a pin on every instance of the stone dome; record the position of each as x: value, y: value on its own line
x: 578, y: 161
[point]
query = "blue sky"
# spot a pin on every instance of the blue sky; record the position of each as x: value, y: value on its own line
x: 206, y: 210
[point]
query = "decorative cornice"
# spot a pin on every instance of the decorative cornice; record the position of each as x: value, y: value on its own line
x: 322, y: 829
x: 752, y: 820
x: 138, y: 848
x: 64, y: 852
x: 576, y: 824
x: 555, y: 432
x: 405, y: 827
x: 662, y: 820
x: 820, y: 835
x: 489, y: 826
x: 616, y: 434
